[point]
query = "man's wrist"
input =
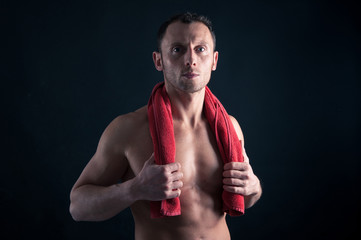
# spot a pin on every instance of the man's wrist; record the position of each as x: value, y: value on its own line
x: 134, y: 190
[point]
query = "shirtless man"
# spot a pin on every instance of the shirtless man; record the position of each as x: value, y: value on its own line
x: 187, y: 57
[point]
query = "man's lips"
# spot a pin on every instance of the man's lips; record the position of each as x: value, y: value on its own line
x: 190, y: 75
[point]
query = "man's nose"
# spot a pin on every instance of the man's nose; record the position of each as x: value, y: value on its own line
x: 190, y: 58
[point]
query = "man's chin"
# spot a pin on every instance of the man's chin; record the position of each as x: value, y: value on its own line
x: 187, y: 85
x: 191, y: 88
x: 192, y: 85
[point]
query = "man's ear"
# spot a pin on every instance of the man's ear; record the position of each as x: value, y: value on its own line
x: 215, y: 61
x: 157, y: 59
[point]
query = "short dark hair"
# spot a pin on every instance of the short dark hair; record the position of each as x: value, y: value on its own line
x: 185, y: 18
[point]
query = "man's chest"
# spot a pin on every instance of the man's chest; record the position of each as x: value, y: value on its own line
x: 196, y: 151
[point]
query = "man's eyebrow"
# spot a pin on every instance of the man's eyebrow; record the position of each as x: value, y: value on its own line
x: 182, y: 44
x: 177, y: 44
x: 203, y: 43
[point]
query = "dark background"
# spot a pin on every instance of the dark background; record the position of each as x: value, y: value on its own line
x: 289, y: 71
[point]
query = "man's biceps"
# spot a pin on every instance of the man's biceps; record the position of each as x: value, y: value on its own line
x: 103, y: 171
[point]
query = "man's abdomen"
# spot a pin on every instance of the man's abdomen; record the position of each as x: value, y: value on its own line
x: 201, y: 218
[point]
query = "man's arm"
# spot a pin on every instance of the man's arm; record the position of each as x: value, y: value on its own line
x: 98, y: 196
x: 239, y: 177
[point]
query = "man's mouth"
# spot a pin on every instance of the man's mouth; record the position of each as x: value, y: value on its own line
x: 190, y: 75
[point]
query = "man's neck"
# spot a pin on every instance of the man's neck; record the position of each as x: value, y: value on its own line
x: 187, y: 108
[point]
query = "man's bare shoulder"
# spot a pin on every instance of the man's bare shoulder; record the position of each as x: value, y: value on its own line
x: 237, y: 128
x: 130, y: 121
x: 137, y: 117
x: 124, y: 127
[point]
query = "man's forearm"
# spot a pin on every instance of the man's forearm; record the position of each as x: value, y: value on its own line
x: 98, y: 203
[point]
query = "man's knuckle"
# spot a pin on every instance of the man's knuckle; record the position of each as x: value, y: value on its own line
x: 178, y: 176
x: 244, y: 176
x: 239, y: 182
x: 234, y: 181
x: 165, y: 170
x: 237, y: 174
x: 169, y: 187
x: 245, y: 183
x: 164, y: 174
x: 227, y: 181
x: 245, y: 191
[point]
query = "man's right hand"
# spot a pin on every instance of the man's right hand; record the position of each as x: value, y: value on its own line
x: 158, y: 182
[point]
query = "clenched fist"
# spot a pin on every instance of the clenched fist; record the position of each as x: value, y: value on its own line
x: 240, y: 179
x: 159, y: 182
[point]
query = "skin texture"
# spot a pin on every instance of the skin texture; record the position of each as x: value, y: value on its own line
x: 125, y: 153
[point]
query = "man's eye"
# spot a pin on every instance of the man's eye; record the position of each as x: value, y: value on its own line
x: 201, y: 49
x: 176, y: 49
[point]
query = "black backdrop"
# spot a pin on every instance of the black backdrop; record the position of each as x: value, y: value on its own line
x: 289, y: 71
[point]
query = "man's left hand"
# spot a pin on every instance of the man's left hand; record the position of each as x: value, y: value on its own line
x: 240, y: 179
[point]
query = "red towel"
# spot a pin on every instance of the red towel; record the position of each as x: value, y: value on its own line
x: 161, y: 129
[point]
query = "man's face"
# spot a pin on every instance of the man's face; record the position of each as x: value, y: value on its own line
x: 187, y: 58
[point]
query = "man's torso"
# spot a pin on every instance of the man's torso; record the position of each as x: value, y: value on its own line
x: 201, y: 197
